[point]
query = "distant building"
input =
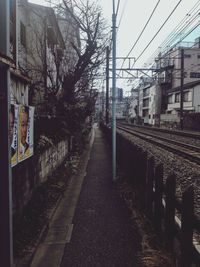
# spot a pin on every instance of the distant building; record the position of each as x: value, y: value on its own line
x: 169, y: 79
x: 143, y: 103
x: 119, y: 94
x: 133, y: 106
x: 121, y: 110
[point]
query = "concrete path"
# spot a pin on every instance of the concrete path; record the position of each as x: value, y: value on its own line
x: 93, y: 229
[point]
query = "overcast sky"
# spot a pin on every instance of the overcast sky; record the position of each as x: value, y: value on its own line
x: 134, y: 15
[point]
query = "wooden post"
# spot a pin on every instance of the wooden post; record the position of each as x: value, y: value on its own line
x: 142, y: 183
x: 158, y: 207
x: 133, y: 166
x: 170, y: 211
x: 149, y: 187
x: 187, y: 227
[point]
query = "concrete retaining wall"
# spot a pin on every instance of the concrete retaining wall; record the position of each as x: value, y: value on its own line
x: 34, y: 171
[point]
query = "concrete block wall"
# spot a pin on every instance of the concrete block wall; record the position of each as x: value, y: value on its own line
x: 51, y: 159
x: 34, y: 171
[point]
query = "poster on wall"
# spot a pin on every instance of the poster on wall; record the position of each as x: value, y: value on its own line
x: 13, y: 129
x: 25, y: 132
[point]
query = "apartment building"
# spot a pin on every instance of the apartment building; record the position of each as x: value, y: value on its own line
x: 169, y: 65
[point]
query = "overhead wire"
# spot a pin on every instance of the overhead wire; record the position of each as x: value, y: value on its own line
x: 186, y: 34
x: 143, y: 28
x: 184, y: 28
x: 158, y: 31
x: 118, y: 3
x: 178, y: 29
x: 122, y: 14
x: 141, y: 33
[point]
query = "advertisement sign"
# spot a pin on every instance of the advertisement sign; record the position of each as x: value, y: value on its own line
x: 25, y: 132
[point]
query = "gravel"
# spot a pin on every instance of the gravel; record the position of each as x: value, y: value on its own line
x: 187, y: 173
x: 187, y: 140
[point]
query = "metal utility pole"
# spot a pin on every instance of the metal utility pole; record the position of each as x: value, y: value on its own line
x: 102, y: 103
x: 107, y: 84
x: 181, y: 89
x: 6, y: 242
x: 114, y: 93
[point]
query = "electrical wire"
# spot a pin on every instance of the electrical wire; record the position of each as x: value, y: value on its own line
x: 140, y: 33
x: 166, y: 42
x: 143, y: 29
x: 190, y: 23
x: 122, y: 14
x: 179, y: 28
x: 118, y: 3
x: 158, y: 31
x: 186, y: 34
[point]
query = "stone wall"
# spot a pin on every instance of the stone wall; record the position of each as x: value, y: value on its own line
x: 34, y: 171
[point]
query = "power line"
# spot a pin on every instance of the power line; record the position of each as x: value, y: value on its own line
x: 166, y: 42
x: 158, y: 31
x: 188, y: 33
x: 123, y: 9
x: 175, y: 57
x: 140, y: 33
x: 143, y: 29
x: 179, y: 28
x: 118, y: 3
x: 184, y: 27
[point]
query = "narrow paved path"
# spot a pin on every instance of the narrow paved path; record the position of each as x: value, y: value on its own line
x: 103, y: 234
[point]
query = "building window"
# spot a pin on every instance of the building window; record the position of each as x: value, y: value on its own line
x: 23, y: 34
x: 146, y: 92
x: 186, y: 97
x: 145, y: 113
x: 198, y: 56
x: 170, y: 99
x: 187, y: 56
x: 177, y: 98
x: 146, y: 102
x: 194, y: 74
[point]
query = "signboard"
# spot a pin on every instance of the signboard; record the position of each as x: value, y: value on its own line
x: 25, y: 132
x: 21, y: 123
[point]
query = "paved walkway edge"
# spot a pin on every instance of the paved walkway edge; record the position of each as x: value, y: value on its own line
x: 50, y: 251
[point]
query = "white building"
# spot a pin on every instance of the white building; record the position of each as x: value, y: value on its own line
x: 143, y: 103
x: 154, y: 104
x: 169, y: 80
x: 133, y: 107
x: 169, y: 75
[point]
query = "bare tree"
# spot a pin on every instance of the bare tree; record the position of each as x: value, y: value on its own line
x: 90, y: 52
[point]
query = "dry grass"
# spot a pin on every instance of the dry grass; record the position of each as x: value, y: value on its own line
x: 152, y: 253
x: 155, y: 258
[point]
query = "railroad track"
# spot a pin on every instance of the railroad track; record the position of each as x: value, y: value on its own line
x: 190, y: 152
x: 195, y: 135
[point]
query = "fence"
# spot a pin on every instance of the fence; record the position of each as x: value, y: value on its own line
x: 173, y: 220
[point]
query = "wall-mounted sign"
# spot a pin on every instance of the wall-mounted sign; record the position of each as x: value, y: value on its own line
x: 25, y: 132
x: 21, y: 123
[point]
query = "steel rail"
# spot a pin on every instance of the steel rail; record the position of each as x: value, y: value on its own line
x: 189, y: 152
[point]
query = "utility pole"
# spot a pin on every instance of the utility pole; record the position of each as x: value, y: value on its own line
x: 114, y: 93
x: 6, y: 241
x: 102, y: 99
x: 107, y: 84
x: 181, y: 89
